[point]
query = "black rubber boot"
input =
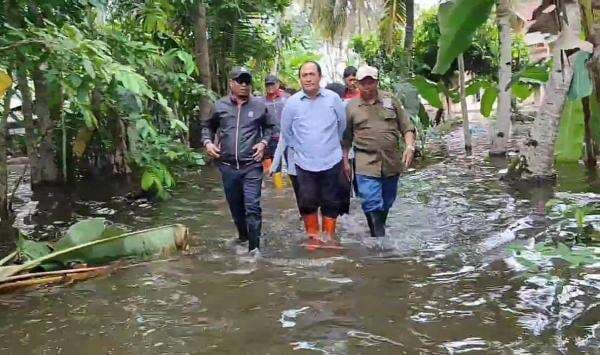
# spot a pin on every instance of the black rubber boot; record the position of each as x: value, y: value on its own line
x: 370, y: 223
x: 385, y: 216
x: 242, y: 229
x: 378, y: 220
x: 254, y: 231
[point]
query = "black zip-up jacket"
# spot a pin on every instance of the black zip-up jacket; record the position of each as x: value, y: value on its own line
x: 238, y: 130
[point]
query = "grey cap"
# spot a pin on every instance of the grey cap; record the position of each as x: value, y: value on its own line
x: 271, y: 79
x: 239, y: 72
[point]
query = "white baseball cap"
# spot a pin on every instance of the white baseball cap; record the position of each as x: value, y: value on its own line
x: 365, y: 71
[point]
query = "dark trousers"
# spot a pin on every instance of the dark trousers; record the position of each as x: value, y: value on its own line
x: 325, y: 189
x: 294, y: 180
x: 242, y: 190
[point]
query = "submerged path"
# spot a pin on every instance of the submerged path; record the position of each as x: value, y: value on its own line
x: 443, y: 281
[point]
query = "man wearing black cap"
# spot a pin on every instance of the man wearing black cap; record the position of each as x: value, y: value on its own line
x: 243, y: 128
x: 275, y: 100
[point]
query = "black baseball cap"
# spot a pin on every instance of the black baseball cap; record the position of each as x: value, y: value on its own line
x: 240, y: 72
x: 271, y: 79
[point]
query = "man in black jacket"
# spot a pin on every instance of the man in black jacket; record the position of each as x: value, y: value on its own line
x: 235, y: 134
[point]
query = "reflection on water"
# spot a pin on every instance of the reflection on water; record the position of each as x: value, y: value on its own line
x: 441, y: 282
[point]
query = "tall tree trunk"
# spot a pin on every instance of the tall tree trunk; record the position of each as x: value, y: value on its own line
x: 279, y: 44
x: 203, y: 62
x: 463, y: 103
x: 47, y: 149
x: 591, y: 29
x: 502, y: 129
x: 4, y: 212
x: 592, y: 34
x: 409, y: 31
x: 359, y: 5
x: 590, y: 149
x: 30, y: 134
x: 538, y: 156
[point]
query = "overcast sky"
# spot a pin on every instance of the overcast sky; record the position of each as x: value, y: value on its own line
x: 424, y: 4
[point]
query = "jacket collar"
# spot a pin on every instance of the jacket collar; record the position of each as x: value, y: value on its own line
x: 234, y: 100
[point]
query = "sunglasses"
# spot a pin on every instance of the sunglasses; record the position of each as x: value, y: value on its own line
x: 243, y: 80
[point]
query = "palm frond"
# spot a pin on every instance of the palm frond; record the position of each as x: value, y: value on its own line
x: 329, y: 16
x: 392, y: 23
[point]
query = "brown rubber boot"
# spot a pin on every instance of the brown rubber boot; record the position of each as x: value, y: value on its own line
x: 329, y: 227
x: 311, y: 225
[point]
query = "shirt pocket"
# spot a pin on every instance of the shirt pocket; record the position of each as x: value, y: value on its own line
x: 388, y: 113
x: 361, y: 120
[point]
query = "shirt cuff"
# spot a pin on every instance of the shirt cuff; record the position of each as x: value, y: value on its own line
x: 206, y: 141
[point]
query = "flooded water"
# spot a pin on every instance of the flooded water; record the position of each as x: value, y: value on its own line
x: 442, y: 282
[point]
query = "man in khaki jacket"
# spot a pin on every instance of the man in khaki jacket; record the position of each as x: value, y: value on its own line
x: 376, y: 121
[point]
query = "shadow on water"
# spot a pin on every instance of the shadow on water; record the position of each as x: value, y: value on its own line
x: 441, y: 282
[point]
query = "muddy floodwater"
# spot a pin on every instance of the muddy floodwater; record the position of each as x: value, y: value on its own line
x: 443, y: 281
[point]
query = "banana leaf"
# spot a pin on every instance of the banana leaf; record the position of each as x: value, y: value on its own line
x: 487, y: 100
x: 141, y: 244
x: 581, y: 85
x: 569, y: 143
x: 428, y: 90
x: 458, y: 21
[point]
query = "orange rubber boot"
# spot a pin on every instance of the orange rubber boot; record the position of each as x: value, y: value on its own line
x: 267, y: 165
x: 329, y: 227
x: 311, y: 225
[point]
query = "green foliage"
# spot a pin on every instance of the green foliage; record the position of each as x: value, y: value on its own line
x: 458, y: 21
x: 481, y: 56
x: 110, y: 72
x: 292, y: 60
x: 541, y: 255
x: 392, y: 65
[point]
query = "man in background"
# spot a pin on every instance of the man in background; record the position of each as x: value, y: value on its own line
x: 349, y: 76
x: 275, y: 99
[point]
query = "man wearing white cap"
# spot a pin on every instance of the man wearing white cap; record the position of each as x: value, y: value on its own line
x: 375, y: 123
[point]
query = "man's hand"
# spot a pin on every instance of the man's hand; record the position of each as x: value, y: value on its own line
x: 409, y: 154
x: 259, y: 151
x: 212, y: 150
x: 347, y: 168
